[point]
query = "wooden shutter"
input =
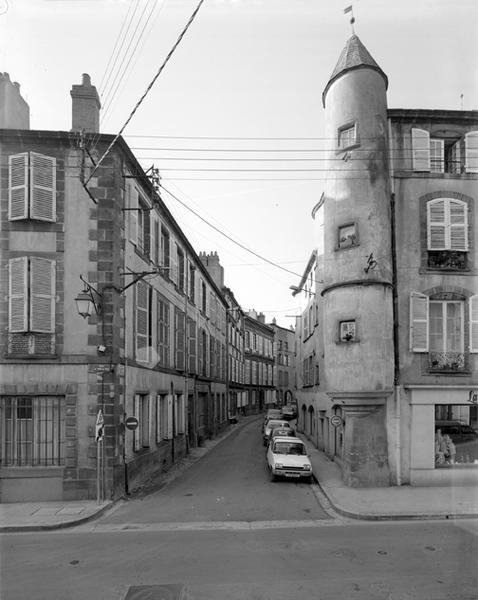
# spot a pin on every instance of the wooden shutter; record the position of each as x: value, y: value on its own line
x: 43, y: 187
x: 474, y: 323
x: 173, y: 261
x: 458, y: 230
x: 132, y: 214
x: 158, y: 419
x: 42, y: 295
x: 137, y: 414
x: 420, y: 150
x: 418, y: 322
x: 18, y: 186
x: 192, y: 345
x: 471, y: 152
x: 142, y: 324
x: 437, y: 224
x: 18, y: 294
x: 180, y: 331
x: 169, y: 417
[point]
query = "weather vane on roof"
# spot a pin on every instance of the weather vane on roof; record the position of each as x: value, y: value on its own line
x: 349, y: 9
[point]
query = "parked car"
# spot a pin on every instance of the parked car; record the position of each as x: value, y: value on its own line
x: 280, y: 432
x: 289, y: 411
x: 287, y: 457
x: 270, y: 425
x: 273, y: 413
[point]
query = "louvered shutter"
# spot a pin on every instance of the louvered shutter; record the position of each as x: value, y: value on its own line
x: 17, y: 294
x: 173, y: 261
x: 18, y: 186
x: 169, y: 417
x: 133, y: 214
x: 192, y: 345
x: 158, y: 418
x: 420, y: 150
x: 436, y: 224
x: 43, y: 187
x: 471, y: 152
x: 458, y: 218
x: 137, y: 414
x: 474, y: 323
x: 179, y: 335
x: 418, y: 322
x: 42, y: 295
x: 142, y: 312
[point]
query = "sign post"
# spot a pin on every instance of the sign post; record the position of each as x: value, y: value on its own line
x: 99, y: 434
x: 336, y: 421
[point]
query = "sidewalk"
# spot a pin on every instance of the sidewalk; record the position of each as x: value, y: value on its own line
x: 391, y: 503
x: 45, y: 516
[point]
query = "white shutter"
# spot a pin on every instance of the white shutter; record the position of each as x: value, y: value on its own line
x: 153, y: 250
x: 471, y: 152
x: 158, y: 418
x: 458, y: 217
x: 18, y: 186
x: 137, y: 431
x: 436, y: 224
x: 142, y: 318
x: 169, y: 419
x: 17, y: 294
x: 418, y: 322
x: 420, y: 150
x: 42, y: 295
x: 173, y: 261
x: 133, y: 214
x: 474, y: 323
x: 43, y: 187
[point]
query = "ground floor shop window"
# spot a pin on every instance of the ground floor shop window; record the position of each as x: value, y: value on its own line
x: 32, y: 431
x: 456, y: 435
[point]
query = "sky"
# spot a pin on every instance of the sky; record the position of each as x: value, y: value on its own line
x: 234, y: 122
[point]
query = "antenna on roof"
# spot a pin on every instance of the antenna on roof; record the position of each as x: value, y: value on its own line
x: 349, y: 9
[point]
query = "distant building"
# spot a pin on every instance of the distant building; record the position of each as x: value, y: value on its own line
x: 14, y: 111
x: 284, y: 364
x: 259, y: 362
x: 394, y: 287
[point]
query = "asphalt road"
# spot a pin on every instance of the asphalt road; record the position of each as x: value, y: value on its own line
x: 229, y: 484
x: 240, y: 537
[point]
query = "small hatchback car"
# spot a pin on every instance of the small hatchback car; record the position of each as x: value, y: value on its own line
x: 270, y: 425
x: 287, y: 457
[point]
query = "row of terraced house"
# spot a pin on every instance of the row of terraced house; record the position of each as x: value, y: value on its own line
x: 122, y: 347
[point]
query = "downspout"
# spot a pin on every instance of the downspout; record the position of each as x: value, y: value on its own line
x: 396, y: 350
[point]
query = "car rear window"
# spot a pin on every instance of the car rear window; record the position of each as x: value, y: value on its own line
x: 289, y: 448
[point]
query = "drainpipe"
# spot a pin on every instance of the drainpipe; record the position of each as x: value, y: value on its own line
x: 396, y: 350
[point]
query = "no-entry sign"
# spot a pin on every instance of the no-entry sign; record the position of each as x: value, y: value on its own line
x: 131, y: 423
x: 336, y: 420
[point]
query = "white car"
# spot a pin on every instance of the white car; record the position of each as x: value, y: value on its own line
x: 270, y: 425
x: 287, y: 457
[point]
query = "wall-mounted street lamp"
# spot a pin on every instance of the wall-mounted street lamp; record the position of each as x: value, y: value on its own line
x: 89, y: 299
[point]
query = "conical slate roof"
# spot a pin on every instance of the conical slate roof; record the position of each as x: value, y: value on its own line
x: 353, y: 56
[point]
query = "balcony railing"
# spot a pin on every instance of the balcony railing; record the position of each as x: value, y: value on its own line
x: 447, y: 361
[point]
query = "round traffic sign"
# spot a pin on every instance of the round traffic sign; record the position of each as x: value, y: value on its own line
x: 336, y: 420
x: 131, y: 423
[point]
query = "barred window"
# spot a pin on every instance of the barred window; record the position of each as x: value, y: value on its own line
x: 32, y: 431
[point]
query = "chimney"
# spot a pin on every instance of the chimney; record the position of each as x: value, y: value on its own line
x: 85, y: 106
x: 14, y: 111
x: 214, y: 268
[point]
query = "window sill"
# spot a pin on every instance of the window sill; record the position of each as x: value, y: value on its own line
x: 345, y: 342
x: 444, y: 271
x: 448, y: 372
x: 346, y: 246
x: 26, y: 471
x: 30, y: 356
x: 347, y: 148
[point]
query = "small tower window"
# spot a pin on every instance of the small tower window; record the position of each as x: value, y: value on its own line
x: 347, y: 236
x: 347, y: 331
x: 347, y: 136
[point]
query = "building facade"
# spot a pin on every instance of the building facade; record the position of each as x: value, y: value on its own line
x: 151, y: 346
x: 284, y: 364
x: 395, y: 286
x: 258, y: 362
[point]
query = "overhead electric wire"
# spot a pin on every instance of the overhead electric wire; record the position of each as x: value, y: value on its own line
x: 228, y: 236
x: 166, y: 60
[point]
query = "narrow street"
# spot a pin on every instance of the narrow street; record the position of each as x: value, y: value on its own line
x: 231, y: 483
x: 223, y: 530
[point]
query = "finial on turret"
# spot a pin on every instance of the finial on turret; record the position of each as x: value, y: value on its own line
x: 349, y: 9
